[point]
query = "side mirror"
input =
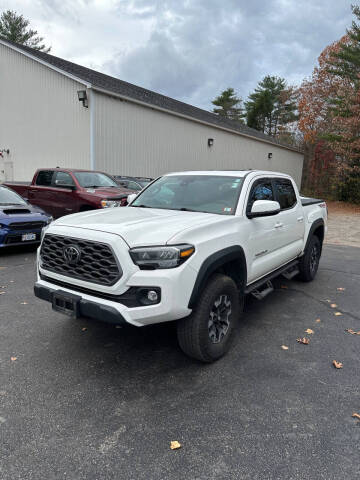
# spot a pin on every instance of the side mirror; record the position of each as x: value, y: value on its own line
x: 131, y: 198
x: 264, y: 208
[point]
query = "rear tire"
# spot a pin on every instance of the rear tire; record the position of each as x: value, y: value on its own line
x: 208, y: 332
x: 309, y: 262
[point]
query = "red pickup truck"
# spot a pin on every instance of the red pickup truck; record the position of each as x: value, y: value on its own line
x: 60, y: 191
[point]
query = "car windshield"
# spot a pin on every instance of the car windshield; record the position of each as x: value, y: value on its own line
x: 9, y: 197
x: 196, y: 193
x: 94, y: 180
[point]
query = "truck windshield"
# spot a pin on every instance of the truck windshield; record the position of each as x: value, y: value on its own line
x: 94, y: 180
x: 195, y: 193
x: 8, y: 197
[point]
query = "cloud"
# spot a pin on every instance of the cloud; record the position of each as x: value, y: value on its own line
x: 198, y: 48
x: 190, y: 49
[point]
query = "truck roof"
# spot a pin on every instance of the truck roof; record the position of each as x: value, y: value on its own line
x: 229, y: 173
x: 64, y: 169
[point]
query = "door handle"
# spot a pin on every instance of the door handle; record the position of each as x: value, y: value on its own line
x: 279, y: 225
x: 300, y: 219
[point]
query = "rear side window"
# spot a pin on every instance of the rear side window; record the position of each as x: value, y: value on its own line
x: 44, y: 178
x: 261, y: 190
x: 285, y: 193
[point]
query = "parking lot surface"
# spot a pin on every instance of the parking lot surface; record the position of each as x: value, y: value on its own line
x: 84, y: 400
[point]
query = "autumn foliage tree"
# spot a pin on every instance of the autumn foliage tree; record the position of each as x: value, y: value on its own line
x: 329, y: 110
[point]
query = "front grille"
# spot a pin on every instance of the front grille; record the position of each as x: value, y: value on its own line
x: 26, y: 225
x: 97, y: 263
x: 10, y: 239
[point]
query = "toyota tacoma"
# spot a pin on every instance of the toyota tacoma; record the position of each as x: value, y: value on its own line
x: 188, y: 247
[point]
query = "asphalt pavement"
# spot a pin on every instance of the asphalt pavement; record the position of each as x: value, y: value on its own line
x: 84, y: 400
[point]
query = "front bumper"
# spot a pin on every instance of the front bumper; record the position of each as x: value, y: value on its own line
x: 87, y: 308
x: 13, y: 238
x: 175, y: 292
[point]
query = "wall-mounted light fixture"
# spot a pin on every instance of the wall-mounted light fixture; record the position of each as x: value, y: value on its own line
x: 210, y: 142
x: 269, y: 155
x: 82, y: 96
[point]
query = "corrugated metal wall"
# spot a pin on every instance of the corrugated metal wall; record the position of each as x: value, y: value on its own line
x: 134, y: 140
x: 41, y: 120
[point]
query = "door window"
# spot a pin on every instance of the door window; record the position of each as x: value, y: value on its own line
x: 63, y: 178
x: 261, y: 190
x: 44, y: 178
x: 285, y: 193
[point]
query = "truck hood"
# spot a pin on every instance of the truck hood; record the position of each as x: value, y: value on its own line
x: 139, y: 226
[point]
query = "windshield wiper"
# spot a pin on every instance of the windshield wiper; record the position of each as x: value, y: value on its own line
x: 141, y: 206
x: 93, y: 186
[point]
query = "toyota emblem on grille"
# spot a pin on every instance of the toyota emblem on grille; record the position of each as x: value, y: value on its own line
x: 72, y: 255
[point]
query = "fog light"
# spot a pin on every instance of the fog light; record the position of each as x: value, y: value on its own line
x: 152, y: 296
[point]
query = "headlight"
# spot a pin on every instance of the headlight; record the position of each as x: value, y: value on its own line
x: 110, y: 203
x: 49, y: 220
x: 161, y: 257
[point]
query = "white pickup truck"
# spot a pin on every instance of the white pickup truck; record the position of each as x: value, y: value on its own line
x: 189, y: 247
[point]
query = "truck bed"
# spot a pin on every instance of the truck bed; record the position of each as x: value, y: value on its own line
x: 306, y: 201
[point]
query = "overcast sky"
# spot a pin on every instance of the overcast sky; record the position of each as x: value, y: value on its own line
x: 190, y: 49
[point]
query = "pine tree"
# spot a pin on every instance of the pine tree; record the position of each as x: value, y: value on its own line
x: 271, y: 106
x: 14, y: 27
x: 229, y: 105
x: 346, y: 62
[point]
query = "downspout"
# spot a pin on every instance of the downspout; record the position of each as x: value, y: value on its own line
x: 92, y: 94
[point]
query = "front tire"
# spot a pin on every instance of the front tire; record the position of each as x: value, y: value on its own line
x: 309, y: 262
x: 208, y: 332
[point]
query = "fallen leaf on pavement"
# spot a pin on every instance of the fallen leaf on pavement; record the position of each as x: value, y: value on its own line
x: 304, y: 340
x: 13, y: 359
x: 350, y: 330
x: 175, y: 445
x: 337, y: 364
x: 341, y: 289
x: 283, y: 286
x: 356, y: 415
x: 308, y: 330
x: 284, y: 347
x: 84, y: 329
x: 318, y: 320
x: 338, y: 314
x: 24, y: 303
x: 333, y: 305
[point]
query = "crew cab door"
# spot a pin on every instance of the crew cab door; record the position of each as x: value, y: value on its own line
x: 64, y: 198
x: 290, y: 219
x: 263, y: 241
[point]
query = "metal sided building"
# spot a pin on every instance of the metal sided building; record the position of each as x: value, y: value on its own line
x: 57, y: 113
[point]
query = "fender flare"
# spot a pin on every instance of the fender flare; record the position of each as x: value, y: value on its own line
x: 317, y: 223
x: 211, y: 264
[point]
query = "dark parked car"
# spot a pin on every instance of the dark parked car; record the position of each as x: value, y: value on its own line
x: 133, y: 183
x: 60, y: 191
x: 20, y: 222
